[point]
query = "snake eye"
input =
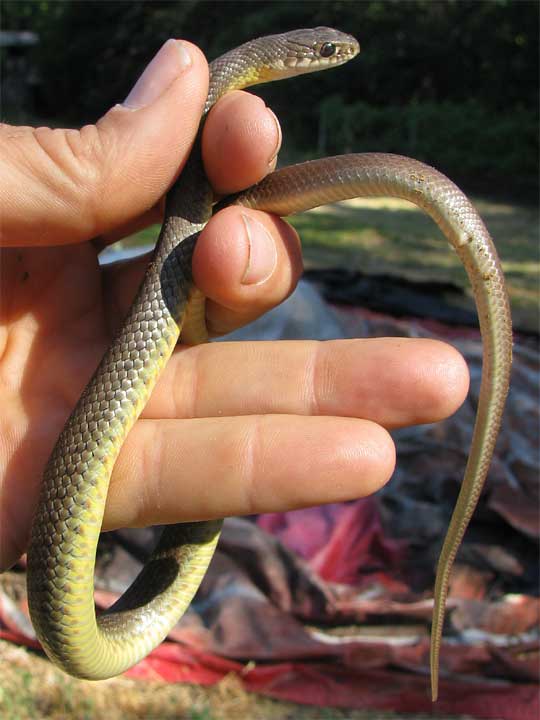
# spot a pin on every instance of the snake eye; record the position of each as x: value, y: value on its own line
x: 327, y: 49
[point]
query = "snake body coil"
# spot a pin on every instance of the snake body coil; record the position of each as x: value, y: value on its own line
x: 65, y: 532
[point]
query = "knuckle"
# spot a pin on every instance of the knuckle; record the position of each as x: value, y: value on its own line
x: 76, y: 161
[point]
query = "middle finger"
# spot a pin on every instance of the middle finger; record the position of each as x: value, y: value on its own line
x: 390, y: 381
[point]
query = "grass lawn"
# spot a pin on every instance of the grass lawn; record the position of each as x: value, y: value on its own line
x: 394, y: 237
x: 31, y: 688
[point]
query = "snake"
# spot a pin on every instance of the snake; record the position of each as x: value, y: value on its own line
x: 167, y: 306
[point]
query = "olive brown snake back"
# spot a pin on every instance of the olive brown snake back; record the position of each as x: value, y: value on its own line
x: 67, y: 523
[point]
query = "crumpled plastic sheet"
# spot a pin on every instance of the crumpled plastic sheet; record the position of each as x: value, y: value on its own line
x: 332, y: 605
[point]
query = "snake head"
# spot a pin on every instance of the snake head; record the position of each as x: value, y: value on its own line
x: 302, y: 51
x: 308, y: 50
x: 274, y: 57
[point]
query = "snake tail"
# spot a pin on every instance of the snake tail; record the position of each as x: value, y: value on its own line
x: 319, y: 182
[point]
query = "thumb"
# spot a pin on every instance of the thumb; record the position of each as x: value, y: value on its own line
x: 64, y: 186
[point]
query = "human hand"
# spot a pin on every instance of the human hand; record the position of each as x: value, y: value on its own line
x: 280, y: 425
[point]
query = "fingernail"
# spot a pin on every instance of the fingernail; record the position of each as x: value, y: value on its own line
x: 272, y: 161
x: 262, y: 253
x: 172, y: 59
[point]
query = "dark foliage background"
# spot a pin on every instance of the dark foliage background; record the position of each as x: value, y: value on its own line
x: 451, y: 82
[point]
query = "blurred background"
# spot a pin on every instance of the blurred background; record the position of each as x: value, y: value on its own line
x: 453, y: 83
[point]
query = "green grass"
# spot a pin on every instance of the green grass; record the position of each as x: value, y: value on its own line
x: 393, y: 237
x: 31, y: 688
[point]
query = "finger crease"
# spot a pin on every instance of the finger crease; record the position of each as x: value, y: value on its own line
x: 150, y: 481
x: 313, y: 373
x: 194, y: 381
x: 252, y: 470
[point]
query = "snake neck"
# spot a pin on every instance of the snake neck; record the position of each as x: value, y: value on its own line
x: 188, y: 208
x: 237, y: 69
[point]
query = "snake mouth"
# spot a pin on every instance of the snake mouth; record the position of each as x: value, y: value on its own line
x: 311, y: 62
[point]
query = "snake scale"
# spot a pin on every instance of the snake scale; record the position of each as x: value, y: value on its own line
x: 68, y: 519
